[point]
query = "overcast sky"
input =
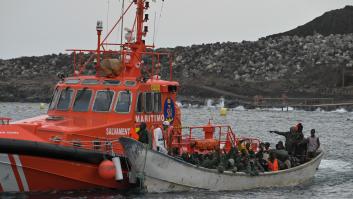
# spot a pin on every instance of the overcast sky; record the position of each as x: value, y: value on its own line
x: 38, y: 27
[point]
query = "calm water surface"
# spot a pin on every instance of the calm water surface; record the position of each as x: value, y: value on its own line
x: 333, y: 179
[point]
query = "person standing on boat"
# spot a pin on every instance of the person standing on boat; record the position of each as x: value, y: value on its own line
x: 299, y: 143
x: 143, y: 134
x: 159, y: 142
x: 290, y: 137
x: 168, y: 135
x: 313, y: 144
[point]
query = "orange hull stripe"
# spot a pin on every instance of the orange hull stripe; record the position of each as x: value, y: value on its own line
x: 15, y: 171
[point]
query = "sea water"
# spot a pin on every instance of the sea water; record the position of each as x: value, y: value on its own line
x: 334, y: 179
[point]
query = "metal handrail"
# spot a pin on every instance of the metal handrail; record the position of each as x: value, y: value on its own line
x: 5, y: 120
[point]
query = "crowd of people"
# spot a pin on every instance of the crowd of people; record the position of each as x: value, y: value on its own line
x: 295, y: 151
x: 244, y: 158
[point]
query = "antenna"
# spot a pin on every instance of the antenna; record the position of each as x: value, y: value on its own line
x: 122, y: 23
x: 154, y: 27
x: 108, y: 5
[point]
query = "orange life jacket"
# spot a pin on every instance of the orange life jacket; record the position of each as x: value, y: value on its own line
x: 273, y: 166
x: 133, y: 134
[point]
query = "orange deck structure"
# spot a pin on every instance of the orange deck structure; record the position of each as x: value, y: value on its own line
x: 88, y: 113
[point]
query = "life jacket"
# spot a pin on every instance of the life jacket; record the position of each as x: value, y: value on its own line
x: 133, y: 134
x: 273, y: 166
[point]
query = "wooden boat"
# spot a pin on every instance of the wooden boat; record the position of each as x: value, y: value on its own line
x: 160, y: 172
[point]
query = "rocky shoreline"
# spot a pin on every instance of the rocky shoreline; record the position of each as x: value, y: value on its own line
x: 311, y: 66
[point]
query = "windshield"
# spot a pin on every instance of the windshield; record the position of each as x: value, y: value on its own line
x: 123, y: 103
x: 148, y: 102
x: 139, y: 103
x: 157, y: 102
x: 54, y: 99
x: 82, y: 100
x: 103, y: 101
x: 65, y: 99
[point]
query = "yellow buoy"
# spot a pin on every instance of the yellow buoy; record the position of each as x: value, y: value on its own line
x: 41, y: 105
x: 223, y: 112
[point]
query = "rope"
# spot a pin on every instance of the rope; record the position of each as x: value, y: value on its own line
x: 159, y: 20
x: 122, y: 23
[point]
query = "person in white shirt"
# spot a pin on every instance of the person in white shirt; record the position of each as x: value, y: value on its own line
x: 159, y: 139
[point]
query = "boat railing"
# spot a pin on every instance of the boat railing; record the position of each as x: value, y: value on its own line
x: 5, y: 120
x: 98, y: 144
x: 151, y: 61
x: 203, y: 139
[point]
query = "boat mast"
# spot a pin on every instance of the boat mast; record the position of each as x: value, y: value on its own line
x: 140, y: 21
x: 131, y: 51
x: 138, y: 47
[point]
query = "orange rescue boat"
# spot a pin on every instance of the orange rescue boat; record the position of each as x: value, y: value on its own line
x: 75, y: 146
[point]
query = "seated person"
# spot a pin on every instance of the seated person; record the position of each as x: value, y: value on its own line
x: 272, y: 162
x: 280, y: 146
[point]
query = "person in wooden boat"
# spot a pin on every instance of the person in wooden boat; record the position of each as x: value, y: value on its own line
x: 299, y: 143
x: 272, y: 162
x: 313, y: 143
x: 248, y: 148
x: 280, y: 146
x: 244, y: 164
x: 254, y: 167
x: 233, y: 159
x: 266, y: 150
x: 290, y: 137
x: 260, y: 156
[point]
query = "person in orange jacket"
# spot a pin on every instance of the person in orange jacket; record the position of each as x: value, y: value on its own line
x: 272, y: 162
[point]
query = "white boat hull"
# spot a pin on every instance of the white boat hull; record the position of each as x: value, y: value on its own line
x: 162, y: 173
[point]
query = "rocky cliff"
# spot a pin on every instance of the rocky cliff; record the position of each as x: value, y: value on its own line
x: 298, y: 63
x: 31, y: 78
x: 297, y: 66
x: 338, y: 21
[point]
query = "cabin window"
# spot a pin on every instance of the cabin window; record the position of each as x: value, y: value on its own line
x: 72, y: 81
x: 83, y: 98
x: 130, y: 83
x: 112, y: 82
x: 157, y: 102
x: 65, y: 99
x: 148, y: 102
x: 139, y: 103
x: 54, y: 99
x: 90, y: 82
x: 124, y: 102
x: 103, y: 101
